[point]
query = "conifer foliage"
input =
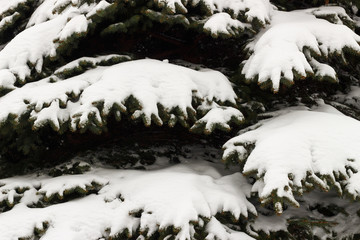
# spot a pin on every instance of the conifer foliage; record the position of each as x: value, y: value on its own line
x: 179, y: 119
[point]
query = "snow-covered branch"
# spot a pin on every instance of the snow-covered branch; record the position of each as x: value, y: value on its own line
x: 297, y: 151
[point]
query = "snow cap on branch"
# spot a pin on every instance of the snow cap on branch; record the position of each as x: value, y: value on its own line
x: 293, y: 45
x: 291, y: 152
x: 148, y: 89
x: 252, y: 9
x: 127, y: 201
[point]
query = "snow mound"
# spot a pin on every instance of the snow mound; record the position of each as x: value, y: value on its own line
x: 298, y: 150
x: 294, y: 44
x: 150, y: 90
x: 258, y: 10
x: 131, y: 202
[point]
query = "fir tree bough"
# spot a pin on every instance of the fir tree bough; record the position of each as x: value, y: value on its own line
x: 113, y: 114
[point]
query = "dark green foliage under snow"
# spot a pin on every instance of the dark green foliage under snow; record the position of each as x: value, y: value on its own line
x: 68, y: 106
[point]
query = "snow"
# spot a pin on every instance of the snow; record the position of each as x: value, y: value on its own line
x: 171, y: 196
x: 172, y: 5
x: 299, y: 146
x: 100, y: 6
x: 43, y: 13
x: 296, y: 149
x: 49, y: 9
x: 6, y: 5
x: 346, y: 221
x: 76, y: 25
x: 357, y: 21
x: 174, y: 87
x: 37, y: 42
x: 40, y: 39
x: 7, y: 79
x: 60, y: 185
x: 322, y: 70
x: 106, y: 212
x: 351, y: 98
x: 254, y: 9
x: 338, y: 14
x: 222, y: 23
x: 277, y: 52
x: 219, y: 231
x: 354, y: 93
x: 93, y: 60
x: 31, y: 45
x: 8, y: 19
x: 221, y: 116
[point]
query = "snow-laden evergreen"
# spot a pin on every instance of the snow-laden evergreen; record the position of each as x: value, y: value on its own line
x: 165, y: 197
x: 82, y: 64
x: 50, y: 9
x: 223, y: 24
x: 297, y: 45
x: 223, y: 17
x: 8, y: 19
x: 217, y: 117
x: 325, y: 211
x: 31, y: 45
x: 159, y: 92
x: 297, y: 151
x: 46, y: 31
x: 254, y: 9
x: 54, y: 21
x: 181, y: 196
x: 133, y: 88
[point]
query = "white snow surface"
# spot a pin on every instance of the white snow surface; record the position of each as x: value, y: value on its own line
x: 223, y: 23
x: 278, y: 51
x: 94, y: 60
x: 171, y: 196
x: 149, y: 81
x: 304, y: 144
